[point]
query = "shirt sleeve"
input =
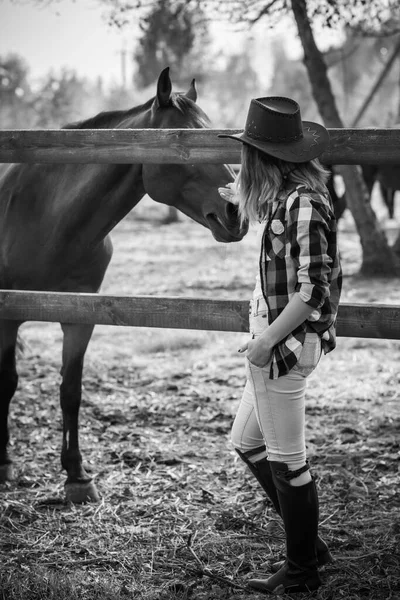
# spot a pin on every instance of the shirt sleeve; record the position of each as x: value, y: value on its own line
x: 308, y: 231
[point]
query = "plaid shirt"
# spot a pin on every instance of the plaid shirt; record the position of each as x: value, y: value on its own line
x: 299, y: 254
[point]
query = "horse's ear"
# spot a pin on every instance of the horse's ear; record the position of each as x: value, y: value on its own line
x: 164, y: 88
x: 192, y: 92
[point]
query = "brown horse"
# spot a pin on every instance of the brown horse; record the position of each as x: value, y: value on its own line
x: 54, y: 226
x: 388, y: 178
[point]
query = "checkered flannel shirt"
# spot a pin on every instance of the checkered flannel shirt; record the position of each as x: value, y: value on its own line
x: 299, y: 254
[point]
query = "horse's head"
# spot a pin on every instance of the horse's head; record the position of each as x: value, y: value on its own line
x: 191, y: 188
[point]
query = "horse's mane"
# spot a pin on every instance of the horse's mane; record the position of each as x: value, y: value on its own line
x: 196, y: 116
x: 110, y: 119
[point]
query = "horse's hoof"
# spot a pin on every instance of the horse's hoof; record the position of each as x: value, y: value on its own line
x: 6, y: 473
x: 79, y: 493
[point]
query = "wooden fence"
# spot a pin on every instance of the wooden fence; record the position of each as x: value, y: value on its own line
x: 348, y: 146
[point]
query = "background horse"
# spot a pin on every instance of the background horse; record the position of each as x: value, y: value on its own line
x: 388, y: 179
x: 54, y: 226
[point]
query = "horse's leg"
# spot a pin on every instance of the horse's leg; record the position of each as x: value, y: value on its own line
x: 390, y: 202
x: 8, y: 385
x: 387, y: 194
x: 79, y: 486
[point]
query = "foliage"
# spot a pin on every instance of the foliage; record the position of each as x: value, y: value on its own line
x: 62, y: 98
x: 175, y: 35
x: 290, y: 79
x: 354, y: 67
x: 15, y: 90
x: 371, y: 17
x: 58, y: 98
x: 13, y: 77
x: 228, y: 86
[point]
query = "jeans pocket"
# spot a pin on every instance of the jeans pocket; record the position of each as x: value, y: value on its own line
x: 259, y: 307
x: 310, y: 355
x: 258, y: 319
x: 251, y: 367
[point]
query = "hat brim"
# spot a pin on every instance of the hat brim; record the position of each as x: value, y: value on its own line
x: 314, y: 142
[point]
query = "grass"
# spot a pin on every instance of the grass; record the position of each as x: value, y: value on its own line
x: 180, y: 517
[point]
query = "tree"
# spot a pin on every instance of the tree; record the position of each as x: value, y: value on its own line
x: 15, y: 92
x: 378, y: 257
x: 57, y: 99
x: 61, y: 99
x: 231, y: 80
x: 175, y: 35
x: 290, y: 79
x: 369, y: 17
x: 355, y: 67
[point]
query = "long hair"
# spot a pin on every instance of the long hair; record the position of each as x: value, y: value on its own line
x: 263, y: 177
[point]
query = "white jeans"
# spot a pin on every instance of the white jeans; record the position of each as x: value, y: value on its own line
x: 272, y: 411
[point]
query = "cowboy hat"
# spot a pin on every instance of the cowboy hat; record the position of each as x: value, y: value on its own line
x: 274, y: 126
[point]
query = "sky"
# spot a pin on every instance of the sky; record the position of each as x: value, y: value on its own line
x: 76, y: 35
x: 65, y: 33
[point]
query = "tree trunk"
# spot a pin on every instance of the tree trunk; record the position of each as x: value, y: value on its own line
x: 378, y: 258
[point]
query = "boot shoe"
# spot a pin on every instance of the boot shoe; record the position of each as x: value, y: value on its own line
x: 324, y: 557
x: 289, y: 579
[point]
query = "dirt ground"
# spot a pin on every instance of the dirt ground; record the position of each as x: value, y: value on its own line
x: 179, y: 517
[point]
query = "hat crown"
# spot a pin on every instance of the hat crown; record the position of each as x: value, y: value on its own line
x: 274, y: 127
x: 274, y: 119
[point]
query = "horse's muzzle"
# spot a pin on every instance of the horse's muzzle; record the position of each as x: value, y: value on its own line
x: 231, y: 231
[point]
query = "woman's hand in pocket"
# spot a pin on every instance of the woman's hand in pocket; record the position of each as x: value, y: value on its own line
x: 259, y: 352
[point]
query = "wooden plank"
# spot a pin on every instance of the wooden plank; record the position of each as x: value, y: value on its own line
x: 139, y: 311
x: 354, y: 320
x: 348, y: 146
x: 369, y: 321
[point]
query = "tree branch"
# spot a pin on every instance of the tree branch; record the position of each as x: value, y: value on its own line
x: 264, y: 11
x: 376, y: 85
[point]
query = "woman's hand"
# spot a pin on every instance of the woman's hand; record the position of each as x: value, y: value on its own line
x: 229, y: 193
x: 259, y: 352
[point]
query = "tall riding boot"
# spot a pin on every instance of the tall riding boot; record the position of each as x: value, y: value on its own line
x: 261, y: 470
x: 299, y: 509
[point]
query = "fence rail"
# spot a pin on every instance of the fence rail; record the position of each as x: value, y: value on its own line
x: 348, y: 146
x: 354, y: 320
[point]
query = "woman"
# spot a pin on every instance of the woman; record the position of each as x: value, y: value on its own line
x: 292, y: 320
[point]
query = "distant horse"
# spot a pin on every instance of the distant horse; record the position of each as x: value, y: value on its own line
x: 54, y: 226
x: 338, y: 202
x: 388, y: 178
